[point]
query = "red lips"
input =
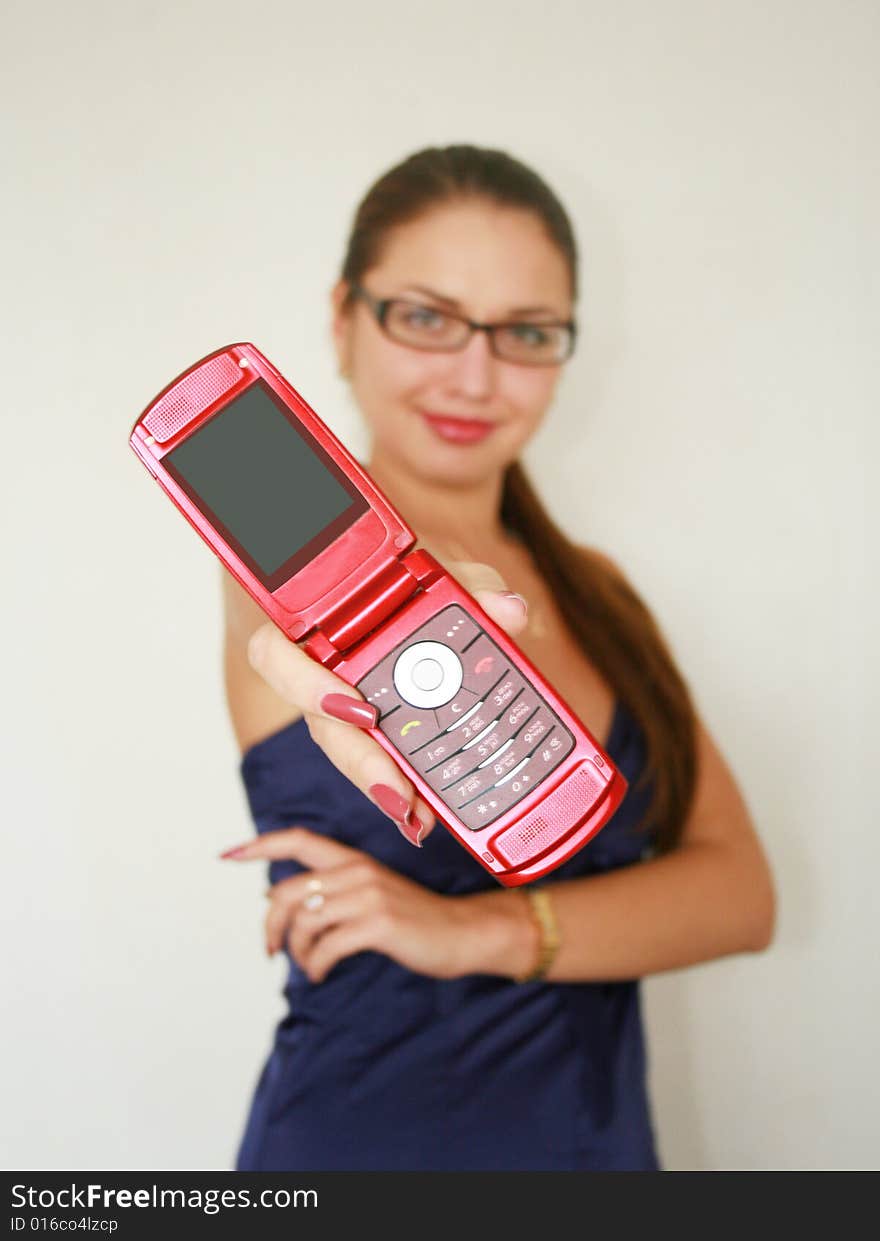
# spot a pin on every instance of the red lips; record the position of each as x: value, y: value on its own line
x: 459, y: 430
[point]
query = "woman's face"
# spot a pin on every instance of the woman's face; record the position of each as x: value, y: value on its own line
x: 485, y: 262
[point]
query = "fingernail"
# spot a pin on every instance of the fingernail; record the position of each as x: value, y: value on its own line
x: 236, y: 851
x: 351, y: 710
x: 389, y: 800
x: 511, y: 594
x: 411, y: 829
x: 398, y: 808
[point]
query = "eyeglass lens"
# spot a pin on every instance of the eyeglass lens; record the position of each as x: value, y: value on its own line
x: 425, y: 327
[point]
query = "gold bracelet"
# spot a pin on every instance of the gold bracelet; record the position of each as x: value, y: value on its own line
x: 542, y: 912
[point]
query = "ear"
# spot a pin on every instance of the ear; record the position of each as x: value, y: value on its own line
x: 341, y: 325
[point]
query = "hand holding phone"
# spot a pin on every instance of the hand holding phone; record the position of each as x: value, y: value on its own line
x: 304, y: 683
x: 493, y: 749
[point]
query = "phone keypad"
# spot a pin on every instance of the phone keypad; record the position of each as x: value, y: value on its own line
x: 465, y: 717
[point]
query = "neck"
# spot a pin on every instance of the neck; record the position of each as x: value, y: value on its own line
x: 469, y: 513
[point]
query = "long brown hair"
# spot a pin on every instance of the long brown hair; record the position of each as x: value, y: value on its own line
x: 607, y: 617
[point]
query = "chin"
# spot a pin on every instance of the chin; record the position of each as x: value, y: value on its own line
x: 470, y: 465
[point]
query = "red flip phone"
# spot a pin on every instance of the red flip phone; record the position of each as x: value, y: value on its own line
x: 497, y: 754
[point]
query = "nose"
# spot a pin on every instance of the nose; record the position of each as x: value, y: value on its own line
x: 472, y: 372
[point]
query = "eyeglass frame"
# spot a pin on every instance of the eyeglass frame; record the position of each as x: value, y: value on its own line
x: 379, y: 307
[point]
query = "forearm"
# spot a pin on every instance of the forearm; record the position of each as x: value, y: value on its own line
x: 699, y: 902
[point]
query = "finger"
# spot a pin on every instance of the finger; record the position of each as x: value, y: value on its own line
x: 356, y: 935
x: 303, y: 681
x: 375, y: 773
x: 290, y: 897
x: 308, y: 924
x: 507, y: 608
x: 371, y: 769
x: 297, y: 844
x: 476, y: 576
x: 473, y: 575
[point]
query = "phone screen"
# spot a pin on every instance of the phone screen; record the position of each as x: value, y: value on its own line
x: 266, y: 484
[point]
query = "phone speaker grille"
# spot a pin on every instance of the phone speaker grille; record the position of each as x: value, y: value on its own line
x: 558, y: 815
x: 191, y: 395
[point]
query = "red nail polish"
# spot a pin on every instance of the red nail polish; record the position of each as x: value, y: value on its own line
x: 236, y: 851
x: 389, y: 800
x: 398, y: 808
x: 350, y: 710
x: 412, y: 828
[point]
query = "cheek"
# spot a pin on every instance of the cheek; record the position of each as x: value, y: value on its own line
x: 385, y: 375
x: 530, y: 391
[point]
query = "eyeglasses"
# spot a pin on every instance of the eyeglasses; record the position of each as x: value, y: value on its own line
x: 439, y: 331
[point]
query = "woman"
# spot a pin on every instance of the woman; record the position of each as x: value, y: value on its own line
x: 412, y: 1041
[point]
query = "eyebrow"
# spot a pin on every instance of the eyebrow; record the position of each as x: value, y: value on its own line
x: 454, y: 305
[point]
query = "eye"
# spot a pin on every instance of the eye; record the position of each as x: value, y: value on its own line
x: 421, y: 317
x: 530, y: 334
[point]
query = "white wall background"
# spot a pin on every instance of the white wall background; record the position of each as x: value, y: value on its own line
x: 182, y: 175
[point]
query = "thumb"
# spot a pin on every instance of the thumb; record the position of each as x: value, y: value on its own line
x: 506, y: 608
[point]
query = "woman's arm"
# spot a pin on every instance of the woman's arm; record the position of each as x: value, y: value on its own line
x: 271, y: 681
x: 711, y: 896
x: 255, y: 709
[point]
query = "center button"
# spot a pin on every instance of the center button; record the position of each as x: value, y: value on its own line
x: 427, y: 674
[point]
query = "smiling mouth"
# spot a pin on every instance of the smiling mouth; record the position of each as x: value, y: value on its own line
x: 459, y: 431
x: 472, y: 424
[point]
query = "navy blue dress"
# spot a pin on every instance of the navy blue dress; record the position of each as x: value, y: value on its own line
x: 379, y: 1068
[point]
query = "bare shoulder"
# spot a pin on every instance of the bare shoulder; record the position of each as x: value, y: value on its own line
x: 255, y: 710
x: 242, y: 615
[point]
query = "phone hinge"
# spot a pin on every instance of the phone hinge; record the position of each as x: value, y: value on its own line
x: 378, y: 599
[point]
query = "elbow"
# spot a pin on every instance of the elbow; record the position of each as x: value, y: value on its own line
x: 748, y: 908
x: 763, y: 934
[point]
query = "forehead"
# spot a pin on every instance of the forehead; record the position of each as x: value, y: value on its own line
x: 491, y: 259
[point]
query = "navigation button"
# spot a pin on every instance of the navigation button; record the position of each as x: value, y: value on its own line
x: 427, y: 674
